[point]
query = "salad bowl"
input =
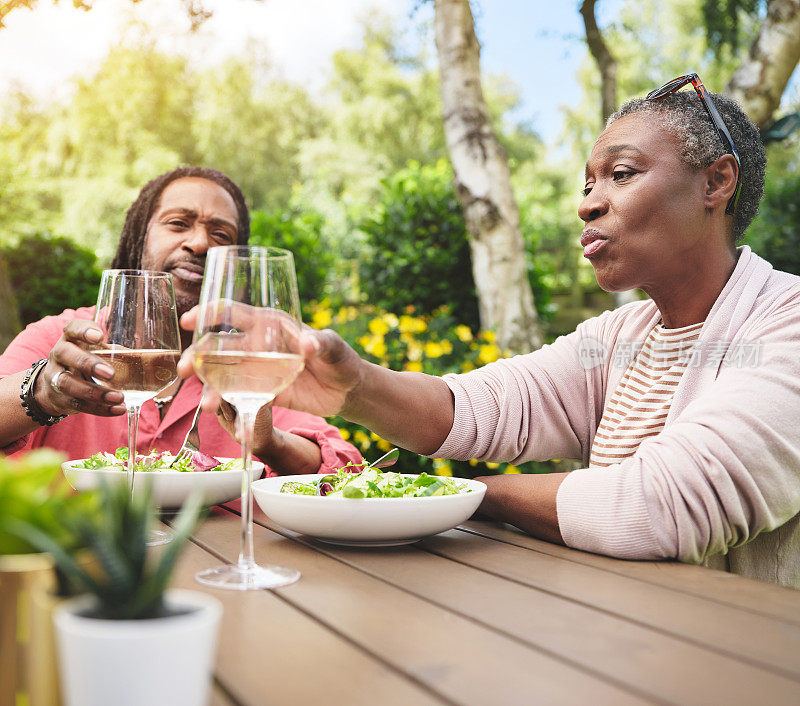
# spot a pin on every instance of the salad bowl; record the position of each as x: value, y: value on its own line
x: 369, y: 521
x: 170, y: 488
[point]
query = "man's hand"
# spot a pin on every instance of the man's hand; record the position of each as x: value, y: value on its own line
x: 264, y: 434
x: 65, y: 385
x: 329, y: 380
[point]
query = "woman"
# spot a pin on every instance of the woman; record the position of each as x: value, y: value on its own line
x: 683, y: 407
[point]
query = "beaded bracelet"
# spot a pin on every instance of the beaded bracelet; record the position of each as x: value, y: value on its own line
x: 29, y: 403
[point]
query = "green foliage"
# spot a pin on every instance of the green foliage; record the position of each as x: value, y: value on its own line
x: 435, y: 344
x: 300, y: 232
x: 253, y: 129
x: 50, y: 274
x: 418, y: 247
x: 722, y: 21
x: 9, y: 315
x: 127, y: 584
x: 33, y: 492
x: 418, y: 253
x: 775, y: 233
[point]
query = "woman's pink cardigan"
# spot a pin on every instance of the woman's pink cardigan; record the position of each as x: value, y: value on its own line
x: 722, y: 478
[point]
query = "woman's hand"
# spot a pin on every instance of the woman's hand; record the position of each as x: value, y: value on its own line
x: 329, y: 380
x: 65, y: 385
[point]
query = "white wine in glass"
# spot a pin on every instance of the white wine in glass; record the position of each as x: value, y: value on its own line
x: 246, y: 347
x: 141, y: 342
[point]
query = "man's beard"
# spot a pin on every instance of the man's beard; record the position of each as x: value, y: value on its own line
x: 184, y: 302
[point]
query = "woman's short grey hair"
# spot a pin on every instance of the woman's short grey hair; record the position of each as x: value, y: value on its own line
x: 683, y: 115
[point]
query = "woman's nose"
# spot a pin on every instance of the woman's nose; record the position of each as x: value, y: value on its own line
x: 594, y: 204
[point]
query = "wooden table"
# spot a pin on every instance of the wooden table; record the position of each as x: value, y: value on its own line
x: 486, y: 615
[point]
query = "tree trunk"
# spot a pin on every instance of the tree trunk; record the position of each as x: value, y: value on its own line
x: 607, y: 65
x: 483, y: 184
x: 9, y: 314
x: 759, y: 82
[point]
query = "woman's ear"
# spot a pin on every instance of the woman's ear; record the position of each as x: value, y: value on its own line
x: 721, y: 179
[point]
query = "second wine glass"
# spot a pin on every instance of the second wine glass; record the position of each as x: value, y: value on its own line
x: 246, y: 347
x: 141, y: 342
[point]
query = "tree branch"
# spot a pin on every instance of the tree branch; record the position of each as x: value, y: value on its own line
x: 605, y: 60
x: 760, y: 81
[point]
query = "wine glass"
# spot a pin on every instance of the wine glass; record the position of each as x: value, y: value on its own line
x: 246, y: 347
x: 141, y: 342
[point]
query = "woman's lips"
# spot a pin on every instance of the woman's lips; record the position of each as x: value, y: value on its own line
x: 593, y: 247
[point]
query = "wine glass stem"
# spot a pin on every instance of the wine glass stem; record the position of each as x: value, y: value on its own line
x: 245, y: 420
x: 133, y: 427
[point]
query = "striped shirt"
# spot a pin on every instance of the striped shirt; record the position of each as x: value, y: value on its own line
x: 639, y: 406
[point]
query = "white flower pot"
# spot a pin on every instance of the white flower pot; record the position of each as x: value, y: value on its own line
x: 138, y: 662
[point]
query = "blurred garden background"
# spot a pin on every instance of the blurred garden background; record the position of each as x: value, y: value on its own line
x: 339, y: 140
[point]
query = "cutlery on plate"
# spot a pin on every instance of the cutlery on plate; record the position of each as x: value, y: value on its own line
x: 325, y: 486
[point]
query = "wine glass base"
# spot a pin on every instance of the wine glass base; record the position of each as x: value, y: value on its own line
x: 250, y: 579
x: 156, y: 537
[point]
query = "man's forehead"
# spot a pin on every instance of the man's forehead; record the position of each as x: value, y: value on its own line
x: 193, y: 193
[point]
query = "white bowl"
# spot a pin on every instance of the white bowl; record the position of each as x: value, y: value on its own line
x: 366, y: 522
x: 170, y: 488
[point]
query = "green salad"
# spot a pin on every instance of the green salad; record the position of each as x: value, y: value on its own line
x: 159, y: 461
x: 373, y: 483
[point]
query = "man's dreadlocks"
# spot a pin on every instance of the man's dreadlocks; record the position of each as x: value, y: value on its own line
x: 134, y: 232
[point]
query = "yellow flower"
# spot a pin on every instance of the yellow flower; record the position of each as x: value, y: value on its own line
x: 464, y: 333
x: 322, y: 318
x: 361, y: 439
x: 344, y: 433
x: 489, y: 336
x: 447, y: 347
x: 492, y: 465
x: 473, y: 462
x: 391, y: 320
x: 433, y: 349
x: 413, y: 365
x: 441, y: 467
x: 511, y: 469
x: 379, y: 327
x: 411, y: 324
x: 374, y: 436
x: 466, y: 366
x: 345, y: 314
x: 414, y: 351
x: 383, y: 445
x: 488, y: 353
x: 378, y: 348
x: 373, y: 344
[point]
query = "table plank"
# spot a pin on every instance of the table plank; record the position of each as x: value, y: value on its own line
x: 770, y: 643
x: 748, y: 594
x: 648, y: 661
x: 267, y: 648
x: 219, y: 697
x: 454, y: 656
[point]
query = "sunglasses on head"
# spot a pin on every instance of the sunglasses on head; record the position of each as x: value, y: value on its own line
x: 719, y: 125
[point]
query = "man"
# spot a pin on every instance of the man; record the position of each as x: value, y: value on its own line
x: 175, y: 219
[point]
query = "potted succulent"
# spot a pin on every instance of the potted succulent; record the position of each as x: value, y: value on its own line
x: 129, y: 640
x: 33, y: 493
